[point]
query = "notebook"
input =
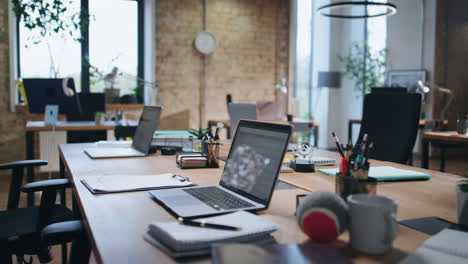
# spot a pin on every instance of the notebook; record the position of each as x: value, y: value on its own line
x: 179, y: 237
x: 305, y: 253
x: 131, y: 183
x: 448, y: 246
x: 386, y: 173
x: 322, y: 161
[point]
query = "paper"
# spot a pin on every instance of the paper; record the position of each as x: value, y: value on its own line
x: 181, y: 237
x: 115, y: 183
x: 448, y: 246
x: 386, y: 173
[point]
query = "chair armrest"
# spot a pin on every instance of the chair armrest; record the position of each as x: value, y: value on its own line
x: 62, y: 232
x: 23, y: 164
x: 48, y: 185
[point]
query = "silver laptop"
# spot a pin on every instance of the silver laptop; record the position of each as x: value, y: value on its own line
x: 141, y: 141
x: 248, y: 178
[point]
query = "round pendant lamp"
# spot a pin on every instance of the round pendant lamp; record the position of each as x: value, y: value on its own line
x: 350, y: 9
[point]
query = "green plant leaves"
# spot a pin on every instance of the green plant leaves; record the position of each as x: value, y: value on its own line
x: 365, y: 66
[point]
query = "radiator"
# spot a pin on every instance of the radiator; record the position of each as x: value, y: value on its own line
x: 48, y: 146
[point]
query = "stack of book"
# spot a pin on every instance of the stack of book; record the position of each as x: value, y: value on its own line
x: 179, y: 240
x: 191, y: 160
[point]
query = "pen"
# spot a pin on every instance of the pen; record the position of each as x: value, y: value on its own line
x: 207, y: 225
x: 338, y: 145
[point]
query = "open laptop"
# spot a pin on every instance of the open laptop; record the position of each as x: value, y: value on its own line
x: 141, y: 141
x: 248, y: 178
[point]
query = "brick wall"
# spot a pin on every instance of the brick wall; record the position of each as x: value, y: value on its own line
x: 252, y: 54
x: 11, y: 124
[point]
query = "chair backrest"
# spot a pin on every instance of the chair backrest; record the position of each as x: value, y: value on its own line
x: 391, y: 122
x: 241, y: 111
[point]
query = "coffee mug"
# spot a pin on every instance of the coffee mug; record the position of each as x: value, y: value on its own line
x: 372, y: 223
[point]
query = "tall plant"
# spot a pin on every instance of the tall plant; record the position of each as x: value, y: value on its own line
x: 365, y: 67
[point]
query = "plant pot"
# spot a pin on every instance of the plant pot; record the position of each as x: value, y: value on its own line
x: 462, y: 208
x: 197, y: 145
x: 112, y: 95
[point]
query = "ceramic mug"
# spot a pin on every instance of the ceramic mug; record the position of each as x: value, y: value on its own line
x: 372, y: 223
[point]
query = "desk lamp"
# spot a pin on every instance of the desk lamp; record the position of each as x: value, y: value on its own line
x: 425, y: 89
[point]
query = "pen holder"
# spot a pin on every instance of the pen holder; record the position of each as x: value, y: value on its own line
x: 347, y: 185
x: 212, y: 154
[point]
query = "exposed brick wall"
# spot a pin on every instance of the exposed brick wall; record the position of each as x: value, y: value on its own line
x: 252, y: 53
x: 11, y: 124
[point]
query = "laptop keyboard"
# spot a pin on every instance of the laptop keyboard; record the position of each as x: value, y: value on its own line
x: 217, y: 198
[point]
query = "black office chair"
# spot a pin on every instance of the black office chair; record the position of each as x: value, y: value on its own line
x: 391, y: 121
x: 21, y: 227
x: 90, y: 103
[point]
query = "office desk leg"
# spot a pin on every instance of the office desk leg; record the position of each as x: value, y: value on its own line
x: 425, y: 154
x: 30, y: 170
x: 443, y: 150
x: 63, y: 193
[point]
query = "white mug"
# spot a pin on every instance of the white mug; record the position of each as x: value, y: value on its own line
x: 372, y: 223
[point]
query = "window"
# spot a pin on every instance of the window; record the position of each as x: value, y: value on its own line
x: 113, y: 39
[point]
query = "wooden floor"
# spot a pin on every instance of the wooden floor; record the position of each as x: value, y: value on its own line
x: 458, y: 166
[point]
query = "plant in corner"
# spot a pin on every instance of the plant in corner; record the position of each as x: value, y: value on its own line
x: 462, y: 201
x: 365, y: 66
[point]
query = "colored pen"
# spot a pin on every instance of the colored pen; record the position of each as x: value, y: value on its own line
x: 207, y: 225
x: 338, y: 145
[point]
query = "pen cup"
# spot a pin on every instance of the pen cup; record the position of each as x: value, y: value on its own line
x: 213, y: 154
x: 347, y: 185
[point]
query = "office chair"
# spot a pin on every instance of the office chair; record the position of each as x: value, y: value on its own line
x: 391, y: 121
x: 241, y: 111
x: 90, y: 103
x: 20, y: 228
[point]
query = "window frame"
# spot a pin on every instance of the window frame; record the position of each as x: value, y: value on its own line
x: 85, y: 69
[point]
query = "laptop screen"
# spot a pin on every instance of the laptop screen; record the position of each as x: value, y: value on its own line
x: 255, y: 158
x: 147, y: 125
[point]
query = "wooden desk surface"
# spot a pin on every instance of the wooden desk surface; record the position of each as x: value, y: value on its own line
x: 422, y: 122
x: 295, y: 121
x: 116, y: 222
x: 451, y: 136
x: 74, y: 125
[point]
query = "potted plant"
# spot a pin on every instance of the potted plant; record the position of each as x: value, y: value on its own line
x: 199, y: 134
x: 365, y: 67
x: 462, y: 201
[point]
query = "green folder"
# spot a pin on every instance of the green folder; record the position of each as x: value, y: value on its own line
x: 172, y: 133
x: 386, y: 173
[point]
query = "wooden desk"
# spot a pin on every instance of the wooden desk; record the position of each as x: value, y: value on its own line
x: 351, y: 122
x: 115, y: 223
x: 300, y: 125
x: 445, y: 138
x: 35, y: 126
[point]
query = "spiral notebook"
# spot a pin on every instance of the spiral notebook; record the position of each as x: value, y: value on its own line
x: 387, y: 173
x: 131, y: 183
x: 179, y: 237
x: 448, y: 246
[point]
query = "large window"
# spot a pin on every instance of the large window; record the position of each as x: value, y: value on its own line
x: 112, y: 40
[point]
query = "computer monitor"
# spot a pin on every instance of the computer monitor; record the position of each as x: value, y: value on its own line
x: 90, y: 103
x: 42, y: 92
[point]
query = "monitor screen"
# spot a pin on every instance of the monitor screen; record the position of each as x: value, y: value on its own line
x: 42, y: 92
x: 255, y: 158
